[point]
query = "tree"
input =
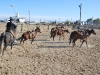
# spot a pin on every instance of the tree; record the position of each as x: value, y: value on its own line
x: 76, y: 22
x: 88, y: 20
x: 67, y: 22
x: 96, y: 21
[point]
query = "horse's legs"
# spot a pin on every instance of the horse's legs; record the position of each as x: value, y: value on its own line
x: 70, y: 40
x: 74, y: 43
x: 86, y: 44
x: 32, y: 40
x: 74, y: 40
x: 59, y: 37
x: 82, y: 43
x: 63, y: 37
x: 12, y: 44
x: 5, y: 46
x: 53, y: 37
x: 24, y: 40
x: 21, y: 40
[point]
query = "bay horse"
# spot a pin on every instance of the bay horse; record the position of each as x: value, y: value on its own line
x: 6, y: 38
x: 77, y: 35
x: 58, y: 31
x: 29, y: 35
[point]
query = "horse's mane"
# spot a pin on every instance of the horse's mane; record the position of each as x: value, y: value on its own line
x: 78, y: 32
x: 37, y: 28
x: 66, y: 30
x: 91, y: 31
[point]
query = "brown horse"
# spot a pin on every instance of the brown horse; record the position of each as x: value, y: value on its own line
x: 60, y: 32
x: 77, y: 35
x: 29, y: 35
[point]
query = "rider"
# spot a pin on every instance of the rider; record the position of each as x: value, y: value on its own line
x: 62, y: 28
x: 85, y: 33
x: 11, y: 27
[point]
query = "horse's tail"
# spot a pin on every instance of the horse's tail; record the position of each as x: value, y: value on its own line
x: 51, y: 33
x: 70, y: 38
x: 2, y: 41
x: 19, y: 38
x: 74, y: 33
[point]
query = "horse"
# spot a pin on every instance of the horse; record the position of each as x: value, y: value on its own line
x: 6, y: 38
x: 77, y: 35
x: 58, y: 31
x: 29, y: 35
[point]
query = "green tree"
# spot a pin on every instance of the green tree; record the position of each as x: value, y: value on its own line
x: 96, y: 21
x: 76, y: 22
x: 67, y: 22
x: 88, y: 20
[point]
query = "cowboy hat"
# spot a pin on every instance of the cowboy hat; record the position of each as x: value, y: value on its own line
x: 11, y: 19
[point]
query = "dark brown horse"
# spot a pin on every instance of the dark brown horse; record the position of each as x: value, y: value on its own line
x: 77, y: 35
x: 60, y: 32
x: 29, y: 35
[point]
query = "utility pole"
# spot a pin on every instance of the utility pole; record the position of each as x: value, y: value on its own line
x: 39, y: 23
x: 92, y: 20
x: 71, y: 21
x: 29, y: 17
x: 80, y: 13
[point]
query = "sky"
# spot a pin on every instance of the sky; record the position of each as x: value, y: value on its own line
x: 50, y: 10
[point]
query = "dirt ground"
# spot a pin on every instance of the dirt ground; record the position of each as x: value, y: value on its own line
x: 48, y: 57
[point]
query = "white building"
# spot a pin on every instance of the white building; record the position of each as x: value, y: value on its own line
x: 17, y: 19
x: 90, y: 22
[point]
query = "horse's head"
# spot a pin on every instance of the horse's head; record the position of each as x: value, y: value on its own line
x: 92, y: 31
x: 56, y: 28
x: 79, y: 30
x: 62, y: 26
x: 32, y: 31
x: 37, y: 30
x: 28, y: 32
x: 66, y: 31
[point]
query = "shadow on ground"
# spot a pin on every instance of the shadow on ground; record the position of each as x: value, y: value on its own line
x: 55, y: 46
x: 56, y: 42
x: 41, y: 40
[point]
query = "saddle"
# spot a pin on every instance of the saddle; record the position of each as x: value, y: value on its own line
x: 30, y: 34
x: 60, y: 30
x: 84, y: 33
x: 10, y: 31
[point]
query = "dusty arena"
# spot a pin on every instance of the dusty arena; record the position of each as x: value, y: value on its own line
x: 48, y: 57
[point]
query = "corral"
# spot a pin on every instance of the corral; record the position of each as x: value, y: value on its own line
x: 48, y: 57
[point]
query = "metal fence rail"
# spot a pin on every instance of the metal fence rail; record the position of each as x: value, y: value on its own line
x: 92, y: 26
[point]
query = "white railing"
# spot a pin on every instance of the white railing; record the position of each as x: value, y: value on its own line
x: 92, y: 26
